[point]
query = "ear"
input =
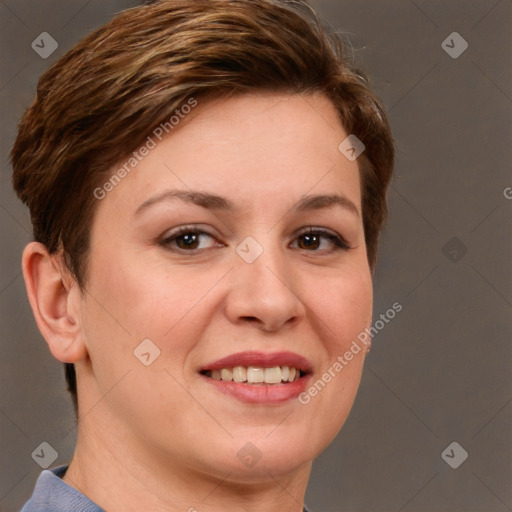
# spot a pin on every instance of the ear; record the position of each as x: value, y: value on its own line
x: 55, y: 298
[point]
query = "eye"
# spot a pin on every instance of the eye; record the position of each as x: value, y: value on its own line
x: 320, y: 240
x: 189, y: 239
x: 192, y: 239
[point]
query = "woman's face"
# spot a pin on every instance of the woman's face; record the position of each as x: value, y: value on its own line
x: 236, y: 242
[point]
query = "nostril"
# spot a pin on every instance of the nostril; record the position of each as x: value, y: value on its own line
x: 250, y: 319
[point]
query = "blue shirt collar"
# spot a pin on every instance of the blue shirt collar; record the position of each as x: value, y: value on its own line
x: 52, y: 494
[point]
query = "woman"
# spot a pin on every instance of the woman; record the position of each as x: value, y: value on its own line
x: 207, y: 183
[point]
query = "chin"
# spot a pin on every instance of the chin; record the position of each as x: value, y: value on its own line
x: 260, y: 455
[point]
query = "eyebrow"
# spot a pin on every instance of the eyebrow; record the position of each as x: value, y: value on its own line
x: 214, y: 202
x: 209, y: 201
x: 317, y: 202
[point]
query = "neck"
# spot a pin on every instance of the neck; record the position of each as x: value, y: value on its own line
x: 119, y: 472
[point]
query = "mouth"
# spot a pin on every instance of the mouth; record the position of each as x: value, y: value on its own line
x: 255, y: 377
x: 256, y: 374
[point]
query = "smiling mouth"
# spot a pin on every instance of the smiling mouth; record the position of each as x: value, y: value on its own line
x: 255, y: 375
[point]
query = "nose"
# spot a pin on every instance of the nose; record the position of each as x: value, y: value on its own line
x: 264, y: 293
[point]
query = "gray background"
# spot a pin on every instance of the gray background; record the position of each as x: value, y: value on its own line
x: 440, y: 370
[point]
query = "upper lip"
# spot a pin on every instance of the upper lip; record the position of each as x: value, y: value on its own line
x: 260, y: 359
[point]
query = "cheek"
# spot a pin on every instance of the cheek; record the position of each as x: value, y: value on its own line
x: 127, y: 305
x: 343, y: 308
x: 344, y: 304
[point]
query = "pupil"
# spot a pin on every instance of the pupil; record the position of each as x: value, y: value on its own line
x: 187, y: 241
x: 309, y: 241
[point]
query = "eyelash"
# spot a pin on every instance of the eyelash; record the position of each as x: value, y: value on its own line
x: 338, y: 241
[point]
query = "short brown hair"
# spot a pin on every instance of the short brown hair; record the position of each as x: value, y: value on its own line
x: 98, y: 103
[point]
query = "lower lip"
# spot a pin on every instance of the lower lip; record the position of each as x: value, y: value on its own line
x: 266, y: 394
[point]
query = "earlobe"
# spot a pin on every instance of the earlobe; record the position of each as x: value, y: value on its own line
x: 54, y: 297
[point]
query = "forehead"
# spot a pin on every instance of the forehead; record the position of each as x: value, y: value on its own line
x: 246, y: 147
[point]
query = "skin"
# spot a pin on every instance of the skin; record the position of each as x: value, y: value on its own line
x: 160, y: 437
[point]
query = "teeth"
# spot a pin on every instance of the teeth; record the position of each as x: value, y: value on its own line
x: 226, y: 374
x: 256, y: 374
x: 239, y: 373
x: 273, y: 375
